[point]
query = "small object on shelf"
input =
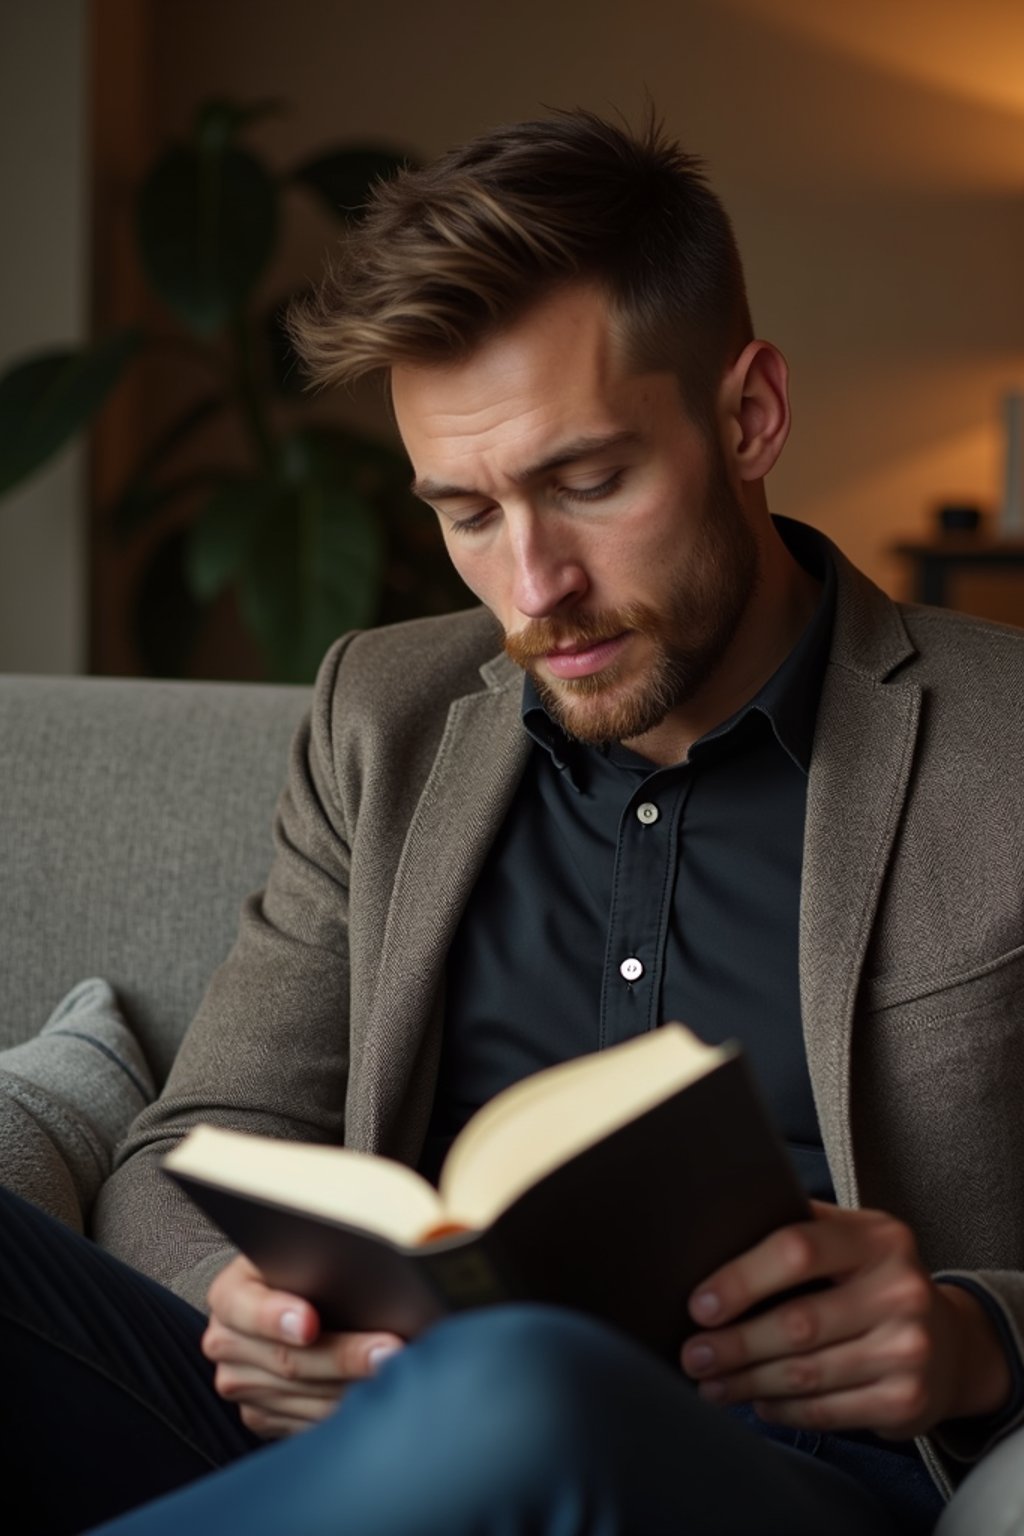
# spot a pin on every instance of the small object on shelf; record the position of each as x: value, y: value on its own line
x: 958, y: 517
x: 936, y: 566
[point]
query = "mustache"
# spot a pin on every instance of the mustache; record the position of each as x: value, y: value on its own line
x: 541, y: 636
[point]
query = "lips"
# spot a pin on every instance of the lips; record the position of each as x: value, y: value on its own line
x: 584, y: 660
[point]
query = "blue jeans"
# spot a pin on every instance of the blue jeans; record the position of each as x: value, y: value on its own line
x: 513, y: 1421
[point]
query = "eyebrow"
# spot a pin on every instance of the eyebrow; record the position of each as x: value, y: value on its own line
x: 568, y: 453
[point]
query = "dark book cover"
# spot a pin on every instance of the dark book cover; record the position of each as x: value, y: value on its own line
x: 624, y: 1230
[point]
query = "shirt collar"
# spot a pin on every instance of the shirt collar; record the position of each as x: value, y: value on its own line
x: 788, y: 700
x: 562, y: 749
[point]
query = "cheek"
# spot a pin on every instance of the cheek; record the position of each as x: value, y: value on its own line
x: 480, y: 573
x: 645, y: 548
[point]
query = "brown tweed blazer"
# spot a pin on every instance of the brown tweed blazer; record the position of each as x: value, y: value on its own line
x: 325, y: 1020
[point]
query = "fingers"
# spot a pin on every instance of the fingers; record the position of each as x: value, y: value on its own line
x: 891, y: 1306
x: 271, y: 1358
x: 333, y: 1359
x: 894, y: 1407
x: 864, y: 1352
x: 832, y: 1246
x: 241, y: 1300
x: 896, y: 1351
x: 274, y: 1424
x: 243, y: 1383
x: 281, y: 1388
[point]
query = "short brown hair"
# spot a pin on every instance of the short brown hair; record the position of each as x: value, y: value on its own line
x: 448, y: 255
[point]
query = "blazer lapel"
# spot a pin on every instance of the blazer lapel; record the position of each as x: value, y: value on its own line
x: 474, y: 776
x: 860, y: 770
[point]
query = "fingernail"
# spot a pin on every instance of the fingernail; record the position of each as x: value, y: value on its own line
x: 706, y: 1306
x: 290, y: 1324
x: 701, y: 1357
x: 379, y: 1353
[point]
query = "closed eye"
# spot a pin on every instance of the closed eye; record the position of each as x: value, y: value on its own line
x: 475, y: 521
x: 471, y: 524
x: 592, y: 492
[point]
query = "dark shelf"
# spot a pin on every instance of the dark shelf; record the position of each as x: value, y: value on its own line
x: 934, y: 564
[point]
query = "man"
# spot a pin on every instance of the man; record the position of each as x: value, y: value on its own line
x: 750, y: 792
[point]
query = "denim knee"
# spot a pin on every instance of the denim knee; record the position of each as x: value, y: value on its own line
x: 543, y: 1364
x: 505, y: 1418
x: 534, y: 1390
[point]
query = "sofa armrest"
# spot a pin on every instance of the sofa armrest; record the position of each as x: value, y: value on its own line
x: 67, y: 1097
x: 990, y: 1500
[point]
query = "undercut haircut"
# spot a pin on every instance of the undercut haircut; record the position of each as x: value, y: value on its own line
x: 448, y: 256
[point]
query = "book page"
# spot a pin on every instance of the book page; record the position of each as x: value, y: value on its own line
x: 532, y: 1127
x: 373, y: 1193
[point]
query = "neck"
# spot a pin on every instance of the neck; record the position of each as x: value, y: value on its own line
x: 779, y: 611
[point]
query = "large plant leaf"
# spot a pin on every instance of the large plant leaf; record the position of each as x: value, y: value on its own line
x: 313, y: 566
x: 222, y: 537
x: 303, y: 549
x: 419, y: 577
x: 344, y: 178
x: 207, y: 220
x: 313, y: 573
x: 144, y: 494
x: 368, y: 465
x: 219, y: 121
x: 145, y: 501
x: 45, y: 400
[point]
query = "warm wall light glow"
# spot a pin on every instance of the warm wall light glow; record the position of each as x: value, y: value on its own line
x: 974, y: 51
x: 901, y: 495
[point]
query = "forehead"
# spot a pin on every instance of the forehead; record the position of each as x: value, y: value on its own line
x: 559, y: 372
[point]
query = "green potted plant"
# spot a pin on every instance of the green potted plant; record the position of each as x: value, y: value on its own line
x: 315, y: 531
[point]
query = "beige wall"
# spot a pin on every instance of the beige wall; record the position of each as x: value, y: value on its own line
x: 872, y: 157
x: 43, y: 275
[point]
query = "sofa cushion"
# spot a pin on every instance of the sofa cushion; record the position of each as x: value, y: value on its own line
x: 66, y: 1099
x: 135, y: 817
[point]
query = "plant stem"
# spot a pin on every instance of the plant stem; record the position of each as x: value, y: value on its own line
x: 186, y: 346
x: 249, y: 397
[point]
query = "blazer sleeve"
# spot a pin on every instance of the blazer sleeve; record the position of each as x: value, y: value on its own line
x: 268, y: 1051
x: 962, y: 1442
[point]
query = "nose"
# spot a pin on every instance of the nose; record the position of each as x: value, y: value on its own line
x: 548, y: 574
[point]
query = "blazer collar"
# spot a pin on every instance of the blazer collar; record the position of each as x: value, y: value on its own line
x: 860, y: 769
x: 474, y: 776
x: 864, y: 743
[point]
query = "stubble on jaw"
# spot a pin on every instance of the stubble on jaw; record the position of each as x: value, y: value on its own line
x: 687, y: 639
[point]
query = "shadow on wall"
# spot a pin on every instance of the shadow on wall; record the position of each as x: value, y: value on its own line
x: 889, y: 228
x: 873, y: 171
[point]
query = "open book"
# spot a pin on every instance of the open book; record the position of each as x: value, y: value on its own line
x: 613, y: 1183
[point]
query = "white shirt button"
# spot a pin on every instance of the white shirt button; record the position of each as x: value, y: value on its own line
x: 647, y: 813
x: 631, y: 969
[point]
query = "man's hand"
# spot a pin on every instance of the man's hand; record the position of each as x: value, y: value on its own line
x: 272, y: 1359
x: 883, y: 1347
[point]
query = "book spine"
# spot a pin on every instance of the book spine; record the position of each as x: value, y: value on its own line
x: 464, y: 1276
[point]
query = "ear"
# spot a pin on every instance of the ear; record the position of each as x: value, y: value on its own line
x: 754, y: 409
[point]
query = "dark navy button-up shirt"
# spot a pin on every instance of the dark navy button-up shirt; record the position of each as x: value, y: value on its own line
x: 619, y: 895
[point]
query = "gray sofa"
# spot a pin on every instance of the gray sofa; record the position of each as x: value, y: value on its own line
x: 134, y: 817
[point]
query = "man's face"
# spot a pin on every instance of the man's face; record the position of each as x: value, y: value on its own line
x: 581, y: 502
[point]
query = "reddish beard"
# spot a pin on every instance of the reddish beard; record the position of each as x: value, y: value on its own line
x: 685, y: 642
x: 542, y: 636
x: 597, y: 708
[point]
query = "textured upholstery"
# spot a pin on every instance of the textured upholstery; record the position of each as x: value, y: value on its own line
x: 134, y: 817
x: 991, y: 1501
x: 67, y: 1096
